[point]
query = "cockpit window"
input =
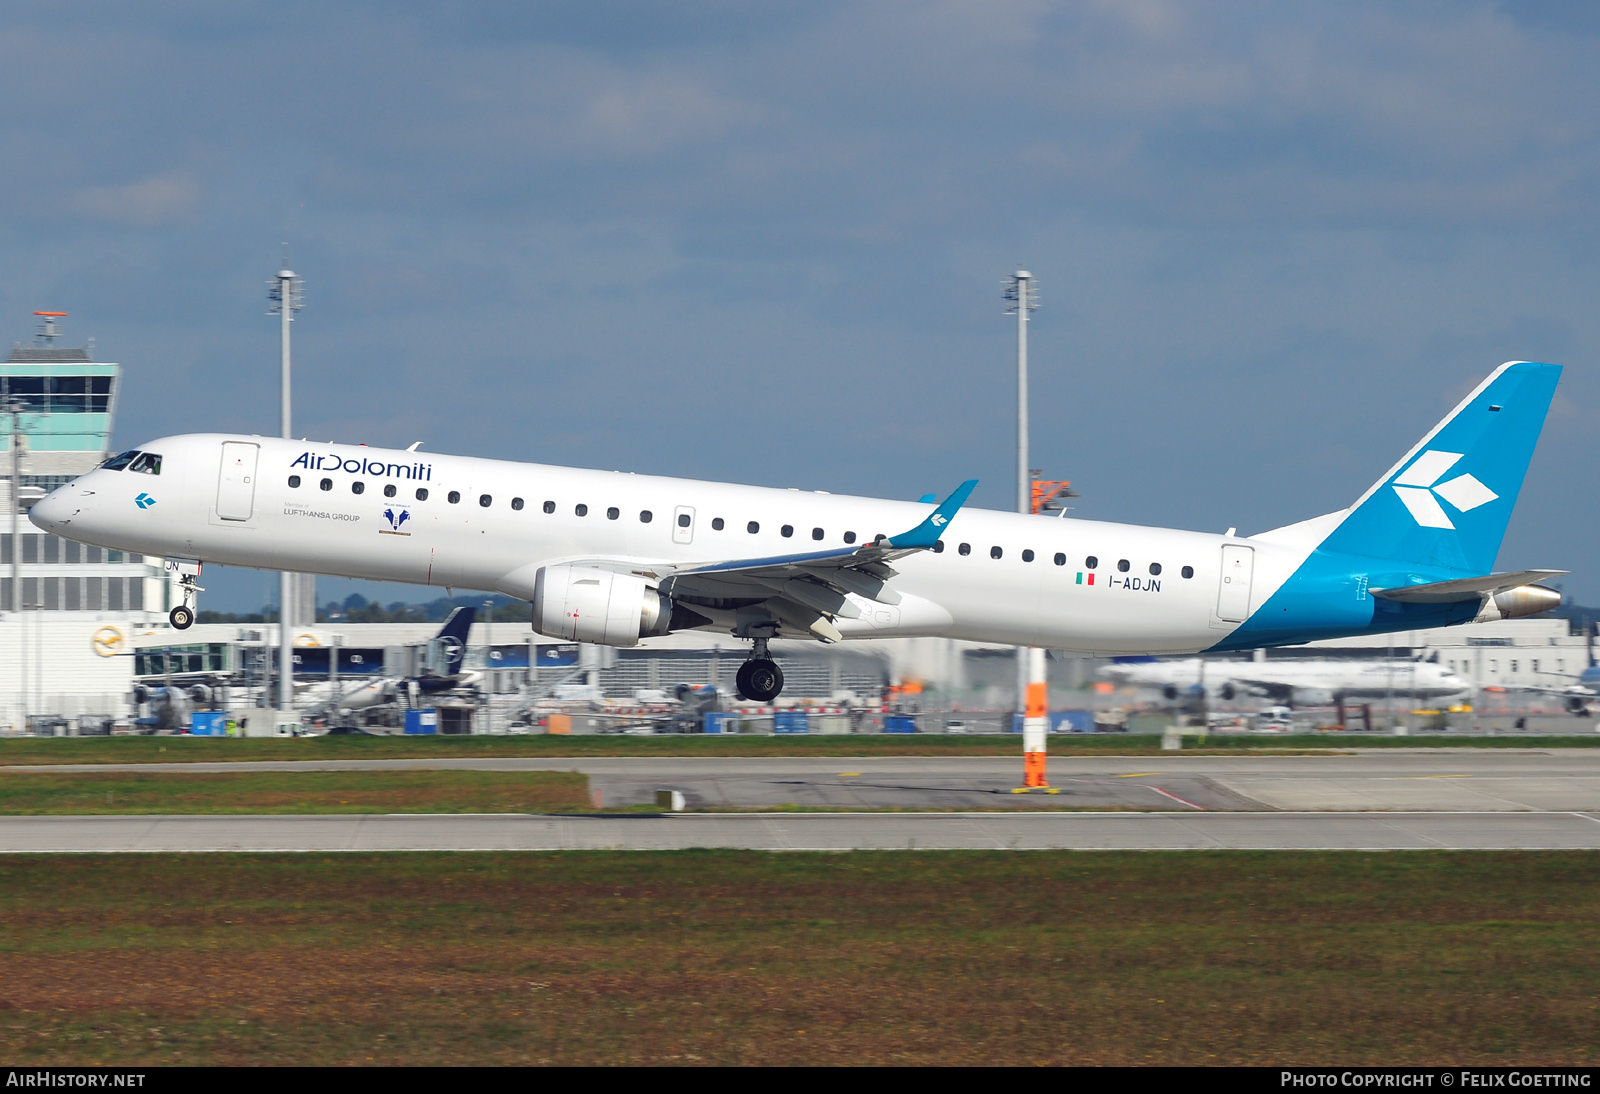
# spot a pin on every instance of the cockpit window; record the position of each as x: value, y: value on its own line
x: 148, y: 463
x: 117, y: 463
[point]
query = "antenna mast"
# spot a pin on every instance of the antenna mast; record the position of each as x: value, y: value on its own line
x: 286, y: 291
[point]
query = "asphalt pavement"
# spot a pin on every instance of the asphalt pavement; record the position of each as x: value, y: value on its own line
x: 1430, y: 779
x: 809, y: 832
x: 1374, y: 799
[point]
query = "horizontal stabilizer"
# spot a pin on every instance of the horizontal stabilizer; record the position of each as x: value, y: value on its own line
x: 1466, y: 588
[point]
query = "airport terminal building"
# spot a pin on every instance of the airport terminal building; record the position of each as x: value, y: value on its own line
x: 69, y: 613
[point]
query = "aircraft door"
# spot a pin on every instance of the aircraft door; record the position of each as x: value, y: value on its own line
x: 1233, y: 596
x: 683, y: 524
x: 236, y: 486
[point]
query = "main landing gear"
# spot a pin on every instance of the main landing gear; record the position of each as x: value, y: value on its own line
x: 182, y: 617
x: 760, y: 679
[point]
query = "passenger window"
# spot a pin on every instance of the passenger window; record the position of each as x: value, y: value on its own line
x: 422, y: 493
x: 753, y: 527
x: 964, y: 549
x: 613, y: 513
x: 326, y: 484
x: 786, y: 531
x: 117, y: 463
x: 1122, y: 565
x: 294, y: 482
x: 358, y: 487
x: 148, y: 463
x: 1060, y: 559
x: 581, y: 509
x: 849, y: 537
x: 646, y: 516
x: 1187, y: 571
x: 516, y: 503
x: 683, y: 520
x: 1155, y: 568
x: 816, y: 533
x: 1091, y: 563
x: 549, y: 507
x: 994, y: 552
x: 389, y: 490
x: 485, y: 500
x: 717, y: 524
x: 453, y: 497
x: 1027, y: 556
x: 938, y: 546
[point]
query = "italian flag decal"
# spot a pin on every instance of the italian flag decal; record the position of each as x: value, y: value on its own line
x: 1080, y: 578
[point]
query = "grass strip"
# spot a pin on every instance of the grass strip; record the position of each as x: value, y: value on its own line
x: 120, y: 750
x: 746, y: 958
x: 98, y: 793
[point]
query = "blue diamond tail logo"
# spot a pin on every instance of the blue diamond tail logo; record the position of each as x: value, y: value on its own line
x: 144, y: 501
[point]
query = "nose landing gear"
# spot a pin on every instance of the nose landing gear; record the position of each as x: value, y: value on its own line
x: 760, y: 679
x: 182, y: 616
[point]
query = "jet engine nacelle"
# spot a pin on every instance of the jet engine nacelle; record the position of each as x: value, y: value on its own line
x: 584, y: 604
x: 1526, y: 600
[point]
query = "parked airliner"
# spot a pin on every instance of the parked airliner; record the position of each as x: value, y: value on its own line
x: 1295, y: 680
x: 612, y: 558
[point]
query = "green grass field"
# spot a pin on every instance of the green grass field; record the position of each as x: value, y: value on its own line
x: 749, y: 958
x: 84, y: 793
x: 64, y: 750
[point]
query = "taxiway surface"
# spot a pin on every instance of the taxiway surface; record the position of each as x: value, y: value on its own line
x: 1431, y: 779
x: 808, y: 831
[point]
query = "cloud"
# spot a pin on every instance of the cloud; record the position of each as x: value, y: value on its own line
x: 158, y: 200
x: 743, y: 241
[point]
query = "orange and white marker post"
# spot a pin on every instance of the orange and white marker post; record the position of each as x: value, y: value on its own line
x: 1035, y: 721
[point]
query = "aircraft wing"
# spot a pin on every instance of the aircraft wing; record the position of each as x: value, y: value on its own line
x: 1259, y: 685
x: 809, y: 589
x: 1466, y: 588
x: 1573, y: 691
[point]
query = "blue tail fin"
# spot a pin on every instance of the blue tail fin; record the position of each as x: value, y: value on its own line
x: 453, y: 637
x: 1445, y: 506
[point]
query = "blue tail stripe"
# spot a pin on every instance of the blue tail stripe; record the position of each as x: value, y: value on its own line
x: 1439, y: 514
x: 1494, y: 432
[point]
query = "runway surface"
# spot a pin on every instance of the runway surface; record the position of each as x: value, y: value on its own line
x: 1432, y: 779
x: 810, y: 831
x: 1378, y: 799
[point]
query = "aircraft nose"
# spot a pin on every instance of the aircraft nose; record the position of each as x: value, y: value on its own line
x: 53, y: 511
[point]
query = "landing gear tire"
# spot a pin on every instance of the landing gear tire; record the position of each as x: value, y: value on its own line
x: 181, y: 617
x: 760, y: 680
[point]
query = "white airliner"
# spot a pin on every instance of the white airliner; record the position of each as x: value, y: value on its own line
x: 612, y: 558
x: 1292, y: 681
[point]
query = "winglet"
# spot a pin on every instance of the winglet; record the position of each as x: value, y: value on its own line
x: 926, y: 534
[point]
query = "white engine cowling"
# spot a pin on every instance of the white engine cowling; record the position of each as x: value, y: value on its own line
x: 583, y: 604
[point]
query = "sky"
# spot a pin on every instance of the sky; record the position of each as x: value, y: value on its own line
x: 765, y: 242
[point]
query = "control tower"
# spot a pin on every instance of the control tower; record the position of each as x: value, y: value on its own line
x: 69, y: 400
x: 66, y: 403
